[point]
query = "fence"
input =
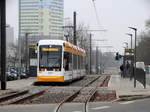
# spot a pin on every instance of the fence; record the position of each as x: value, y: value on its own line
x: 141, y: 76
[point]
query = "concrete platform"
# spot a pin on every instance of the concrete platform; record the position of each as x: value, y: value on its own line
x: 125, y: 86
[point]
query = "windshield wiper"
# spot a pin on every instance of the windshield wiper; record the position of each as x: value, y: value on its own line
x: 56, y: 62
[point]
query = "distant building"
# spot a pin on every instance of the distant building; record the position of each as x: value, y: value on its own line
x: 41, y: 18
x: 9, y: 35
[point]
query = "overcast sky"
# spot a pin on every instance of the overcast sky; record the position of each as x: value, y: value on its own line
x: 114, y: 15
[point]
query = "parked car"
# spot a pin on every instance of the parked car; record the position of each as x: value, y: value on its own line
x: 23, y: 75
x: 14, y: 74
x: 9, y: 76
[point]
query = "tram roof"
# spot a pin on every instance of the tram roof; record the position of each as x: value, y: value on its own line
x: 61, y: 42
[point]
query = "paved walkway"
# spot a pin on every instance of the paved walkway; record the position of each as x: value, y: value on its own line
x: 19, y: 84
x: 125, y: 86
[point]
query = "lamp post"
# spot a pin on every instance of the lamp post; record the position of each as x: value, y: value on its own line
x: 131, y: 38
x: 135, y: 30
x: 126, y: 44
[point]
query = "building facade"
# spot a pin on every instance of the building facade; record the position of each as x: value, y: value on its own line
x: 41, y: 18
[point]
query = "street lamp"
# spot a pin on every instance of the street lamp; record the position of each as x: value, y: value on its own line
x: 135, y: 29
x: 126, y: 44
x: 131, y: 38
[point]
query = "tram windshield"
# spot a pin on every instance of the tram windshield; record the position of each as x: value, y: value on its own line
x: 50, y: 57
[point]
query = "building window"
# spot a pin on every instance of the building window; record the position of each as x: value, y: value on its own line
x: 49, y: 20
x: 42, y: 27
x: 49, y: 27
x: 41, y: 13
x: 41, y: 20
x: 41, y: 33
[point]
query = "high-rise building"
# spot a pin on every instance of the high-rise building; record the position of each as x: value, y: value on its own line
x: 41, y: 18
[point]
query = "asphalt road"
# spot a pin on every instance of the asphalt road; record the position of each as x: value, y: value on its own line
x: 128, y: 106
x: 28, y: 108
x: 148, y: 79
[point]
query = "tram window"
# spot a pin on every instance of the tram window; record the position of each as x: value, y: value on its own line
x: 70, y: 62
x: 50, y: 60
x: 75, y: 62
x: 66, y: 61
x: 79, y: 62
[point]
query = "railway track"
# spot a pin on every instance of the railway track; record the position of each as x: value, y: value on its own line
x: 56, y: 95
x: 90, y: 94
x: 20, y: 96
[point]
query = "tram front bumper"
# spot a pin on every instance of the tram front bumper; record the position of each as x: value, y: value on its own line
x: 50, y: 78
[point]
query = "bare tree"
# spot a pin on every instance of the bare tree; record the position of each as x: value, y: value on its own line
x: 82, y: 34
x: 143, y: 47
x: 12, y: 55
x: 148, y: 24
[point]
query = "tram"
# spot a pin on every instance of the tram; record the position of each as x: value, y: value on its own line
x: 59, y: 61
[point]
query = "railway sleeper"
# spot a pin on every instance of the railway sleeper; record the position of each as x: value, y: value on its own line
x: 12, y: 95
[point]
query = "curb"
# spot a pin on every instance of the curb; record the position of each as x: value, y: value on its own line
x: 132, y: 98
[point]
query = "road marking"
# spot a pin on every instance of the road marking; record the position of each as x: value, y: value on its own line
x: 128, y: 102
x: 77, y: 111
x: 99, y: 108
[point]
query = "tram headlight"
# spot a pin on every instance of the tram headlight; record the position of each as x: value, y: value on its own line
x: 54, y: 70
x: 57, y: 69
x: 42, y: 70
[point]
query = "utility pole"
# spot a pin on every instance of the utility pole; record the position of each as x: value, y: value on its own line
x: 26, y: 42
x: 90, y: 53
x: 101, y: 58
x: 81, y: 41
x: 97, y: 60
x: 67, y: 37
x: 3, y: 43
x: 75, y: 38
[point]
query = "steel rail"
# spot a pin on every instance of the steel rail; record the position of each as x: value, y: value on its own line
x: 12, y: 95
x: 88, y: 100
x: 92, y: 94
x: 19, y: 97
x: 74, y: 94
